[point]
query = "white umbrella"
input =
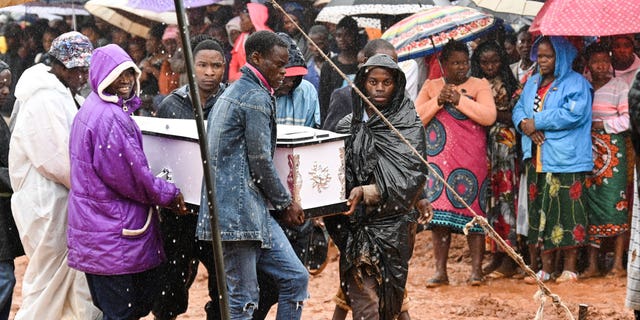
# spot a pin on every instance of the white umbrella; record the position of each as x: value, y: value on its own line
x: 133, y: 20
x: 42, y: 9
x: 519, y: 7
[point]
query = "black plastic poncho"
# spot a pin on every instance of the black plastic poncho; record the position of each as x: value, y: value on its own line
x: 378, y: 240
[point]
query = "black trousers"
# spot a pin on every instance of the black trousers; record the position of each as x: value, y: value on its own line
x: 124, y: 297
x: 184, y: 252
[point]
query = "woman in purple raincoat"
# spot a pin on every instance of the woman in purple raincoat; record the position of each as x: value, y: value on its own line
x: 113, y: 234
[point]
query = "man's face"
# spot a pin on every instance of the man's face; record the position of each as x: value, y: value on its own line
x: 209, y: 70
x: 271, y: 65
x: 321, y: 41
x: 380, y: 86
x: 287, y: 86
x: 75, y: 78
x: 345, y: 39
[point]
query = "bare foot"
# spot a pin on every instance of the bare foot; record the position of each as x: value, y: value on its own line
x: 617, y: 273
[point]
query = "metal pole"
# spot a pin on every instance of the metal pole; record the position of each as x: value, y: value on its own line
x: 221, y: 280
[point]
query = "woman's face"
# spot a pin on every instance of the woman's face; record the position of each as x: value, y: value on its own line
x: 47, y: 39
x: 123, y: 85
x: 599, y: 64
x: 523, y: 46
x: 380, y: 86
x: 456, y: 67
x: 546, y: 59
x: 490, y: 63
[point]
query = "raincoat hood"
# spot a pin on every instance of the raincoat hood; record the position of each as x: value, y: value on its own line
x: 38, y: 78
x: 384, y: 61
x: 107, y: 64
x: 565, y: 54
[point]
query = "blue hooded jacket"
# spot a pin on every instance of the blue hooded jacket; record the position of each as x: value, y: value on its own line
x: 565, y: 118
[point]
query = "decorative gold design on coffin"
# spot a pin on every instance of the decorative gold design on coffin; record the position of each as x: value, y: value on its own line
x: 320, y: 177
x: 294, y: 179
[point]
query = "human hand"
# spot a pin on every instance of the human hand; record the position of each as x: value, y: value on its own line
x: 528, y: 126
x: 425, y: 210
x: 449, y: 94
x: 293, y: 215
x: 597, y: 125
x: 537, y: 137
x: 355, y: 197
x: 178, y: 206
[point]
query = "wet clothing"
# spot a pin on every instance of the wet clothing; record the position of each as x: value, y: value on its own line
x: 242, y: 142
x: 300, y: 107
x: 562, y: 111
x: 457, y: 150
x: 377, y: 240
x: 183, y: 249
x: 39, y: 172
x: 10, y: 246
x: 111, y: 228
x: 606, y: 185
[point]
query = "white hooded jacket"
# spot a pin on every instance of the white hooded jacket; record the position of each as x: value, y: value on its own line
x: 39, y: 173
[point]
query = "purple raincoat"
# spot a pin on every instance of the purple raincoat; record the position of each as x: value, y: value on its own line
x: 111, y: 228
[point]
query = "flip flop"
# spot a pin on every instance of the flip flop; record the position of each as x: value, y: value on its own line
x: 437, y: 282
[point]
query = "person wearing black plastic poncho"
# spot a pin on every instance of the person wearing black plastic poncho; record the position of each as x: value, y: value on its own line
x: 384, y: 178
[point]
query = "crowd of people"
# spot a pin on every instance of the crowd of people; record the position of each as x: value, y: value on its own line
x: 537, y: 134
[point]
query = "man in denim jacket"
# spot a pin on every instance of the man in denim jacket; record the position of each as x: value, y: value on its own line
x: 242, y: 140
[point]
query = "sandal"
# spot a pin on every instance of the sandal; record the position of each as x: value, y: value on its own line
x: 437, y: 282
x: 541, y: 275
x: 567, y: 276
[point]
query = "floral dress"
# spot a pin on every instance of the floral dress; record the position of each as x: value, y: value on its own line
x: 501, y: 148
x: 557, y: 206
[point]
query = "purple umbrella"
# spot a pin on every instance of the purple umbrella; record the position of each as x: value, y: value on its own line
x: 168, y: 5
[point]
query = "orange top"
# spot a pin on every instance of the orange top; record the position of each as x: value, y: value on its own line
x: 476, y: 100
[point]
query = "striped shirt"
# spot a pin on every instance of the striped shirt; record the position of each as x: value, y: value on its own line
x: 611, y: 107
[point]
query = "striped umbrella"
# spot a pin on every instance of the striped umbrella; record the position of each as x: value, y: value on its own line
x: 425, y: 32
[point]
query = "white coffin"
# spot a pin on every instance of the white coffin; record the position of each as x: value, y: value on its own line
x: 309, y: 162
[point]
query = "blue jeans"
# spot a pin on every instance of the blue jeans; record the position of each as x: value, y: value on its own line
x: 7, y: 282
x: 242, y: 259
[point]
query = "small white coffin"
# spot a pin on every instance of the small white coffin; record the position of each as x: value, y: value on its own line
x: 309, y: 162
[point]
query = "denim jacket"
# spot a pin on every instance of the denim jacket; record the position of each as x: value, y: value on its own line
x: 241, y: 137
